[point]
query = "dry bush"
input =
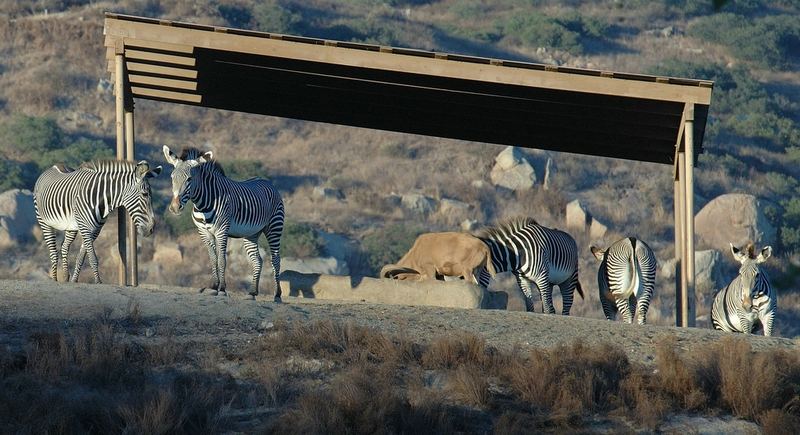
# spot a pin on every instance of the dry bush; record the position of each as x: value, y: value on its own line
x: 359, y: 402
x: 455, y: 350
x: 569, y: 380
x: 777, y: 422
x: 676, y: 377
x: 469, y: 385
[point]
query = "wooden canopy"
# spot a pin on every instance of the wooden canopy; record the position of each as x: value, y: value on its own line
x: 603, y: 113
x: 591, y: 112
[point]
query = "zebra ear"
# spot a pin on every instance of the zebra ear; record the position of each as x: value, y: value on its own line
x: 738, y: 254
x: 206, y: 157
x: 597, y: 252
x: 765, y: 253
x: 172, y: 159
x: 154, y: 173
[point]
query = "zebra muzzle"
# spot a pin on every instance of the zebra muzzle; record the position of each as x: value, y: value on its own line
x: 175, y: 206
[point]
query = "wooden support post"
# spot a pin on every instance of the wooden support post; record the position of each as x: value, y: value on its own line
x: 122, y: 219
x: 678, y: 217
x: 682, y: 293
x: 688, y: 134
x: 132, y: 243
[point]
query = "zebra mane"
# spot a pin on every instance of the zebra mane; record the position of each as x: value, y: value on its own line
x: 108, y: 165
x: 190, y: 153
x: 509, y: 225
x: 750, y: 249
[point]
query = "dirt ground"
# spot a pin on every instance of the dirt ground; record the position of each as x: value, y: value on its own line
x: 27, y: 306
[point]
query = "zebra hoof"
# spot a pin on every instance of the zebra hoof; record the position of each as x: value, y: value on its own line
x: 202, y: 289
x: 250, y: 297
x: 213, y: 292
x: 278, y: 300
x: 223, y: 293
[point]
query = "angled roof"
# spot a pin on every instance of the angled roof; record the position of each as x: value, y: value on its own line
x: 593, y: 112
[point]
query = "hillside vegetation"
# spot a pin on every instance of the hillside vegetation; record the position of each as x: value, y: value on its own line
x: 56, y: 105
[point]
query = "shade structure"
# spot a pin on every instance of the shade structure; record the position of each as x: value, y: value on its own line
x: 591, y: 112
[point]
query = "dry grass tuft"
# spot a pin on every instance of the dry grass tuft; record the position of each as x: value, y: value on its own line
x: 470, y: 386
x: 777, y: 422
x: 676, y: 377
x: 452, y: 351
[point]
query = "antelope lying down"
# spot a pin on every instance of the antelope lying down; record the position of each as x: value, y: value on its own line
x: 437, y: 255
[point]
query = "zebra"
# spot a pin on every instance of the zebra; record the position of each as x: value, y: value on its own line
x: 224, y: 208
x: 749, y: 301
x: 626, y: 278
x: 535, y: 255
x: 80, y: 200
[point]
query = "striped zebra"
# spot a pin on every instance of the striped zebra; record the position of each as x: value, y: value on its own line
x: 749, y: 302
x: 626, y: 278
x: 224, y: 208
x: 537, y: 256
x: 79, y: 201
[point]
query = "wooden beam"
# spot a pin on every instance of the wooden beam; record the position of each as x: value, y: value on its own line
x: 456, y: 69
x: 689, y: 307
x: 132, y: 244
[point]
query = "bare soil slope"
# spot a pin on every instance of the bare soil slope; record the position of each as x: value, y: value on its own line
x: 27, y: 306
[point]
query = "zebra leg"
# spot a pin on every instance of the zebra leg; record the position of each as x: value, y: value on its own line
x: 211, y: 245
x: 567, y: 293
x: 78, y: 263
x: 643, y: 304
x: 251, y: 249
x: 222, y: 258
x: 546, y: 292
x: 624, y: 308
x: 69, y: 236
x: 484, y: 277
x: 49, y: 236
x: 525, y: 286
x: 766, y: 322
x: 88, y: 237
x: 274, y: 242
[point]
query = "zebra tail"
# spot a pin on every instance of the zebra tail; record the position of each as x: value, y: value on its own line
x: 580, y: 289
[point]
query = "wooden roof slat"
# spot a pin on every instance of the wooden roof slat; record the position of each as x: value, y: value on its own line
x: 159, y: 57
x: 163, y: 82
x: 161, y: 94
x: 166, y: 71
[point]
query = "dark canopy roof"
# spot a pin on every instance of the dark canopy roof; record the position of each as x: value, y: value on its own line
x: 602, y: 113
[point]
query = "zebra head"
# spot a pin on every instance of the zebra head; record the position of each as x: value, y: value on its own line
x: 137, y: 201
x: 749, y: 271
x: 183, y: 186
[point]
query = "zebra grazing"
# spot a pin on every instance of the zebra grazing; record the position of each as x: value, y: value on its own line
x: 749, y: 301
x: 226, y: 208
x: 79, y: 201
x: 535, y: 255
x: 626, y: 279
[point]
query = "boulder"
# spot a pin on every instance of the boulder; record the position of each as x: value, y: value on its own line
x: 733, y: 218
x: 710, y: 271
x: 512, y: 170
x: 581, y: 221
x: 418, y: 203
x: 327, y: 193
x: 323, y: 265
x: 17, y: 218
x: 454, y: 211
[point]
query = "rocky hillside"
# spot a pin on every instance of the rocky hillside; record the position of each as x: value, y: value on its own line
x: 356, y: 198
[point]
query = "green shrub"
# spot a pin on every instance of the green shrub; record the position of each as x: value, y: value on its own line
x: 270, y: 16
x: 80, y: 151
x: 301, y: 240
x: 236, y: 16
x: 23, y: 136
x: 538, y: 30
x: 243, y: 169
x: 12, y: 176
x: 387, y: 245
x: 769, y: 41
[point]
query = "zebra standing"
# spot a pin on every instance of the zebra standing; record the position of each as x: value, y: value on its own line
x: 224, y: 208
x: 79, y: 201
x: 535, y: 255
x: 749, y: 301
x: 626, y: 279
